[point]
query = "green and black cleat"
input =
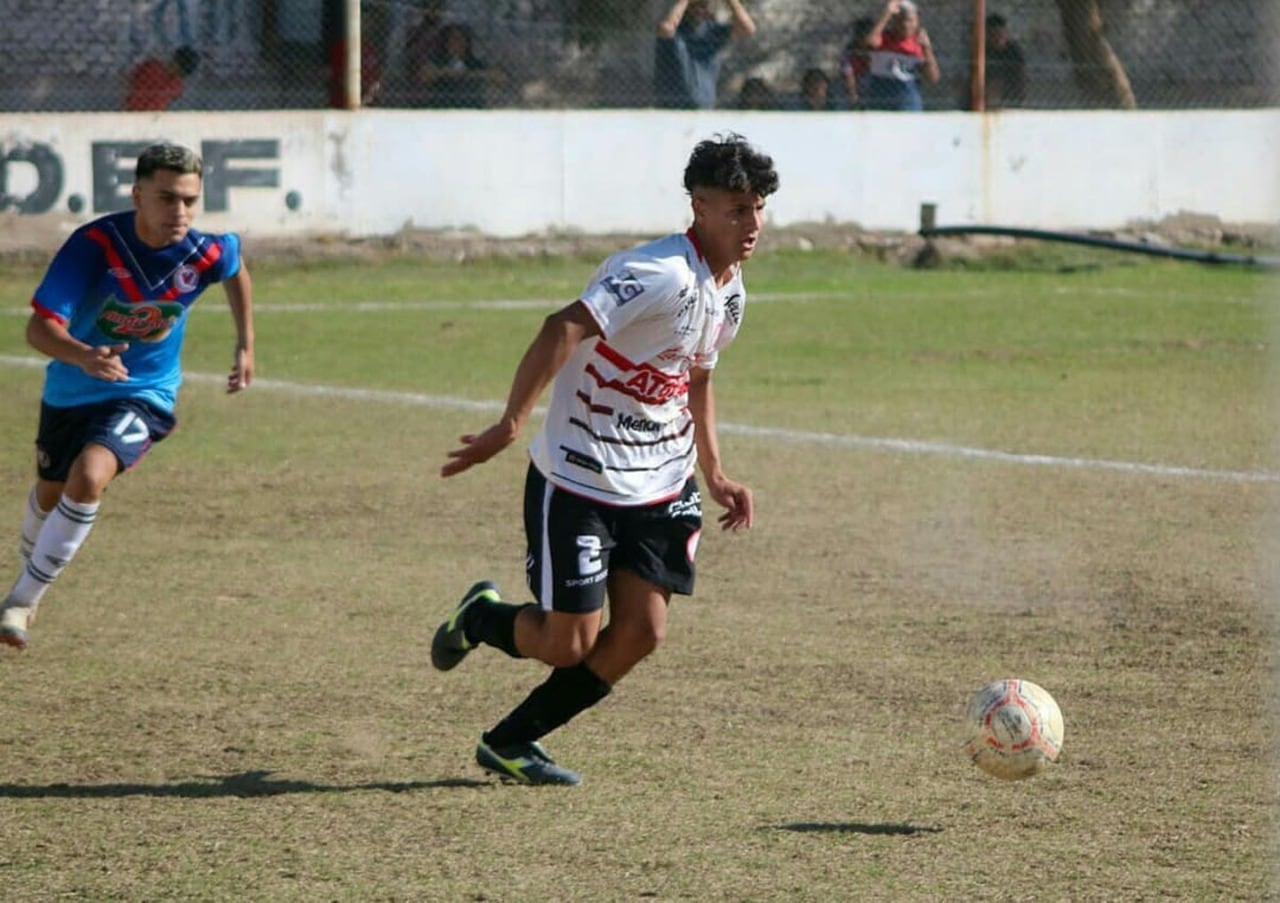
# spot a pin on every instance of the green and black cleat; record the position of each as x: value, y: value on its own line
x: 524, y: 763
x: 450, y: 645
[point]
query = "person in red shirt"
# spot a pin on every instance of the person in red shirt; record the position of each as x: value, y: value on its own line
x: 154, y: 84
x: 899, y: 55
x: 370, y: 74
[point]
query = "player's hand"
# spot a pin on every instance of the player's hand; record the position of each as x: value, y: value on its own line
x: 241, y: 371
x: 737, y: 501
x: 478, y: 448
x: 103, y: 362
x: 922, y: 38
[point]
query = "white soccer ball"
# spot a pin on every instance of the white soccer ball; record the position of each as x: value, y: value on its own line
x: 1014, y: 729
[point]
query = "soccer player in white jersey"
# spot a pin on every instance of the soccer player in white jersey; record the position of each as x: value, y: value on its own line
x: 612, y: 508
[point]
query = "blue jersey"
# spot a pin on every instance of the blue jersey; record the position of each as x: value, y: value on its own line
x: 106, y: 286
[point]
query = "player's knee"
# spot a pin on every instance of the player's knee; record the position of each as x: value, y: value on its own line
x: 569, y: 653
x: 643, y: 637
x: 567, y: 644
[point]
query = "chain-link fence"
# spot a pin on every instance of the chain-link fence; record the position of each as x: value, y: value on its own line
x: 567, y: 54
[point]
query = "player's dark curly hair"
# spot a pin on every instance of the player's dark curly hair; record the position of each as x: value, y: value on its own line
x: 729, y: 162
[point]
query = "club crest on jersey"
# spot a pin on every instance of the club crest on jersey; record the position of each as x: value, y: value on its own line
x: 186, y: 278
x: 149, y: 321
x: 624, y: 286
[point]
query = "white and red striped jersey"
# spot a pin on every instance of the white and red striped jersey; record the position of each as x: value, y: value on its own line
x: 618, y: 428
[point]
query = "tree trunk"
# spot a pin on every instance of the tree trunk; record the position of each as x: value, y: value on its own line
x: 1098, y: 71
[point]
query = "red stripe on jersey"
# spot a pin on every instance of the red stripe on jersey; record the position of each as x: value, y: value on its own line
x: 643, y: 382
x: 119, y: 270
x: 46, y: 314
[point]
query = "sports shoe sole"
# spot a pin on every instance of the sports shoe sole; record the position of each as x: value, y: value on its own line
x: 11, y: 636
x: 444, y: 655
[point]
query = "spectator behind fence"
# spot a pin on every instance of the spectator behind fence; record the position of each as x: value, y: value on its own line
x: 815, y: 92
x: 422, y: 42
x: 855, y: 63
x: 900, y: 55
x: 1006, y: 73
x: 155, y: 83
x: 755, y: 94
x: 452, y: 75
x: 687, y: 54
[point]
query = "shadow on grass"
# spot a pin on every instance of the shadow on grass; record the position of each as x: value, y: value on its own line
x: 244, y: 784
x: 852, y: 827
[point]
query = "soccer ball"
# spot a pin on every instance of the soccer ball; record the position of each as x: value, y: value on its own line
x: 1014, y: 729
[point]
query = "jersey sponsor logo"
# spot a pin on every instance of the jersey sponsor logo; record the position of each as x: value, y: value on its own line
x: 690, y: 507
x: 573, y: 582
x: 638, y: 424
x: 186, y: 278
x: 643, y: 382
x: 655, y: 387
x: 687, y: 298
x: 733, y: 308
x: 148, y: 322
x: 624, y: 287
x: 581, y: 460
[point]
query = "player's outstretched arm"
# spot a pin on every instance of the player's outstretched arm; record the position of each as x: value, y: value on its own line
x: 560, y: 335
x: 239, y: 289
x: 731, y: 495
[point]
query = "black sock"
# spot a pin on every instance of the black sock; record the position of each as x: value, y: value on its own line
x: 564, y: 694
x: 493, y: 623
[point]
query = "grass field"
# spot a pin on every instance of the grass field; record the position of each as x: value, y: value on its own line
x: 960, y: 476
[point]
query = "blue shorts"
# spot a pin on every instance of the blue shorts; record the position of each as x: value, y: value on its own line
x: 126, y: 426
x: 574, y: 541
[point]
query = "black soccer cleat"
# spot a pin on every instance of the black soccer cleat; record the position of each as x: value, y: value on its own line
x: 524, y: 763
x: 450, y: 645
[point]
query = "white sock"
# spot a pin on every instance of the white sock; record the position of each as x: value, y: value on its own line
x: 60, y: 538
x: 32, y: 521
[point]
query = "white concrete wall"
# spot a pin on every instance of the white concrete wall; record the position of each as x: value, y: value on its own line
x: 511, y: 173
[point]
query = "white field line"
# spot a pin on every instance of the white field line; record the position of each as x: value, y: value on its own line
x: 310, y: 307
x: 795, y: 437
x: 306, y: 307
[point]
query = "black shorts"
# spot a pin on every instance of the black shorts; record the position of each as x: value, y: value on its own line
x: 574, y: 541
x: 128, y: 427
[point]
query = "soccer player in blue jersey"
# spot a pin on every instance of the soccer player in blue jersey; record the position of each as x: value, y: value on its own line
x: 111, y: 312
x: 612, y: 510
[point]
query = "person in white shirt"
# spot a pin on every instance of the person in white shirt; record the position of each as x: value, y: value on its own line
x: 612, y: 507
